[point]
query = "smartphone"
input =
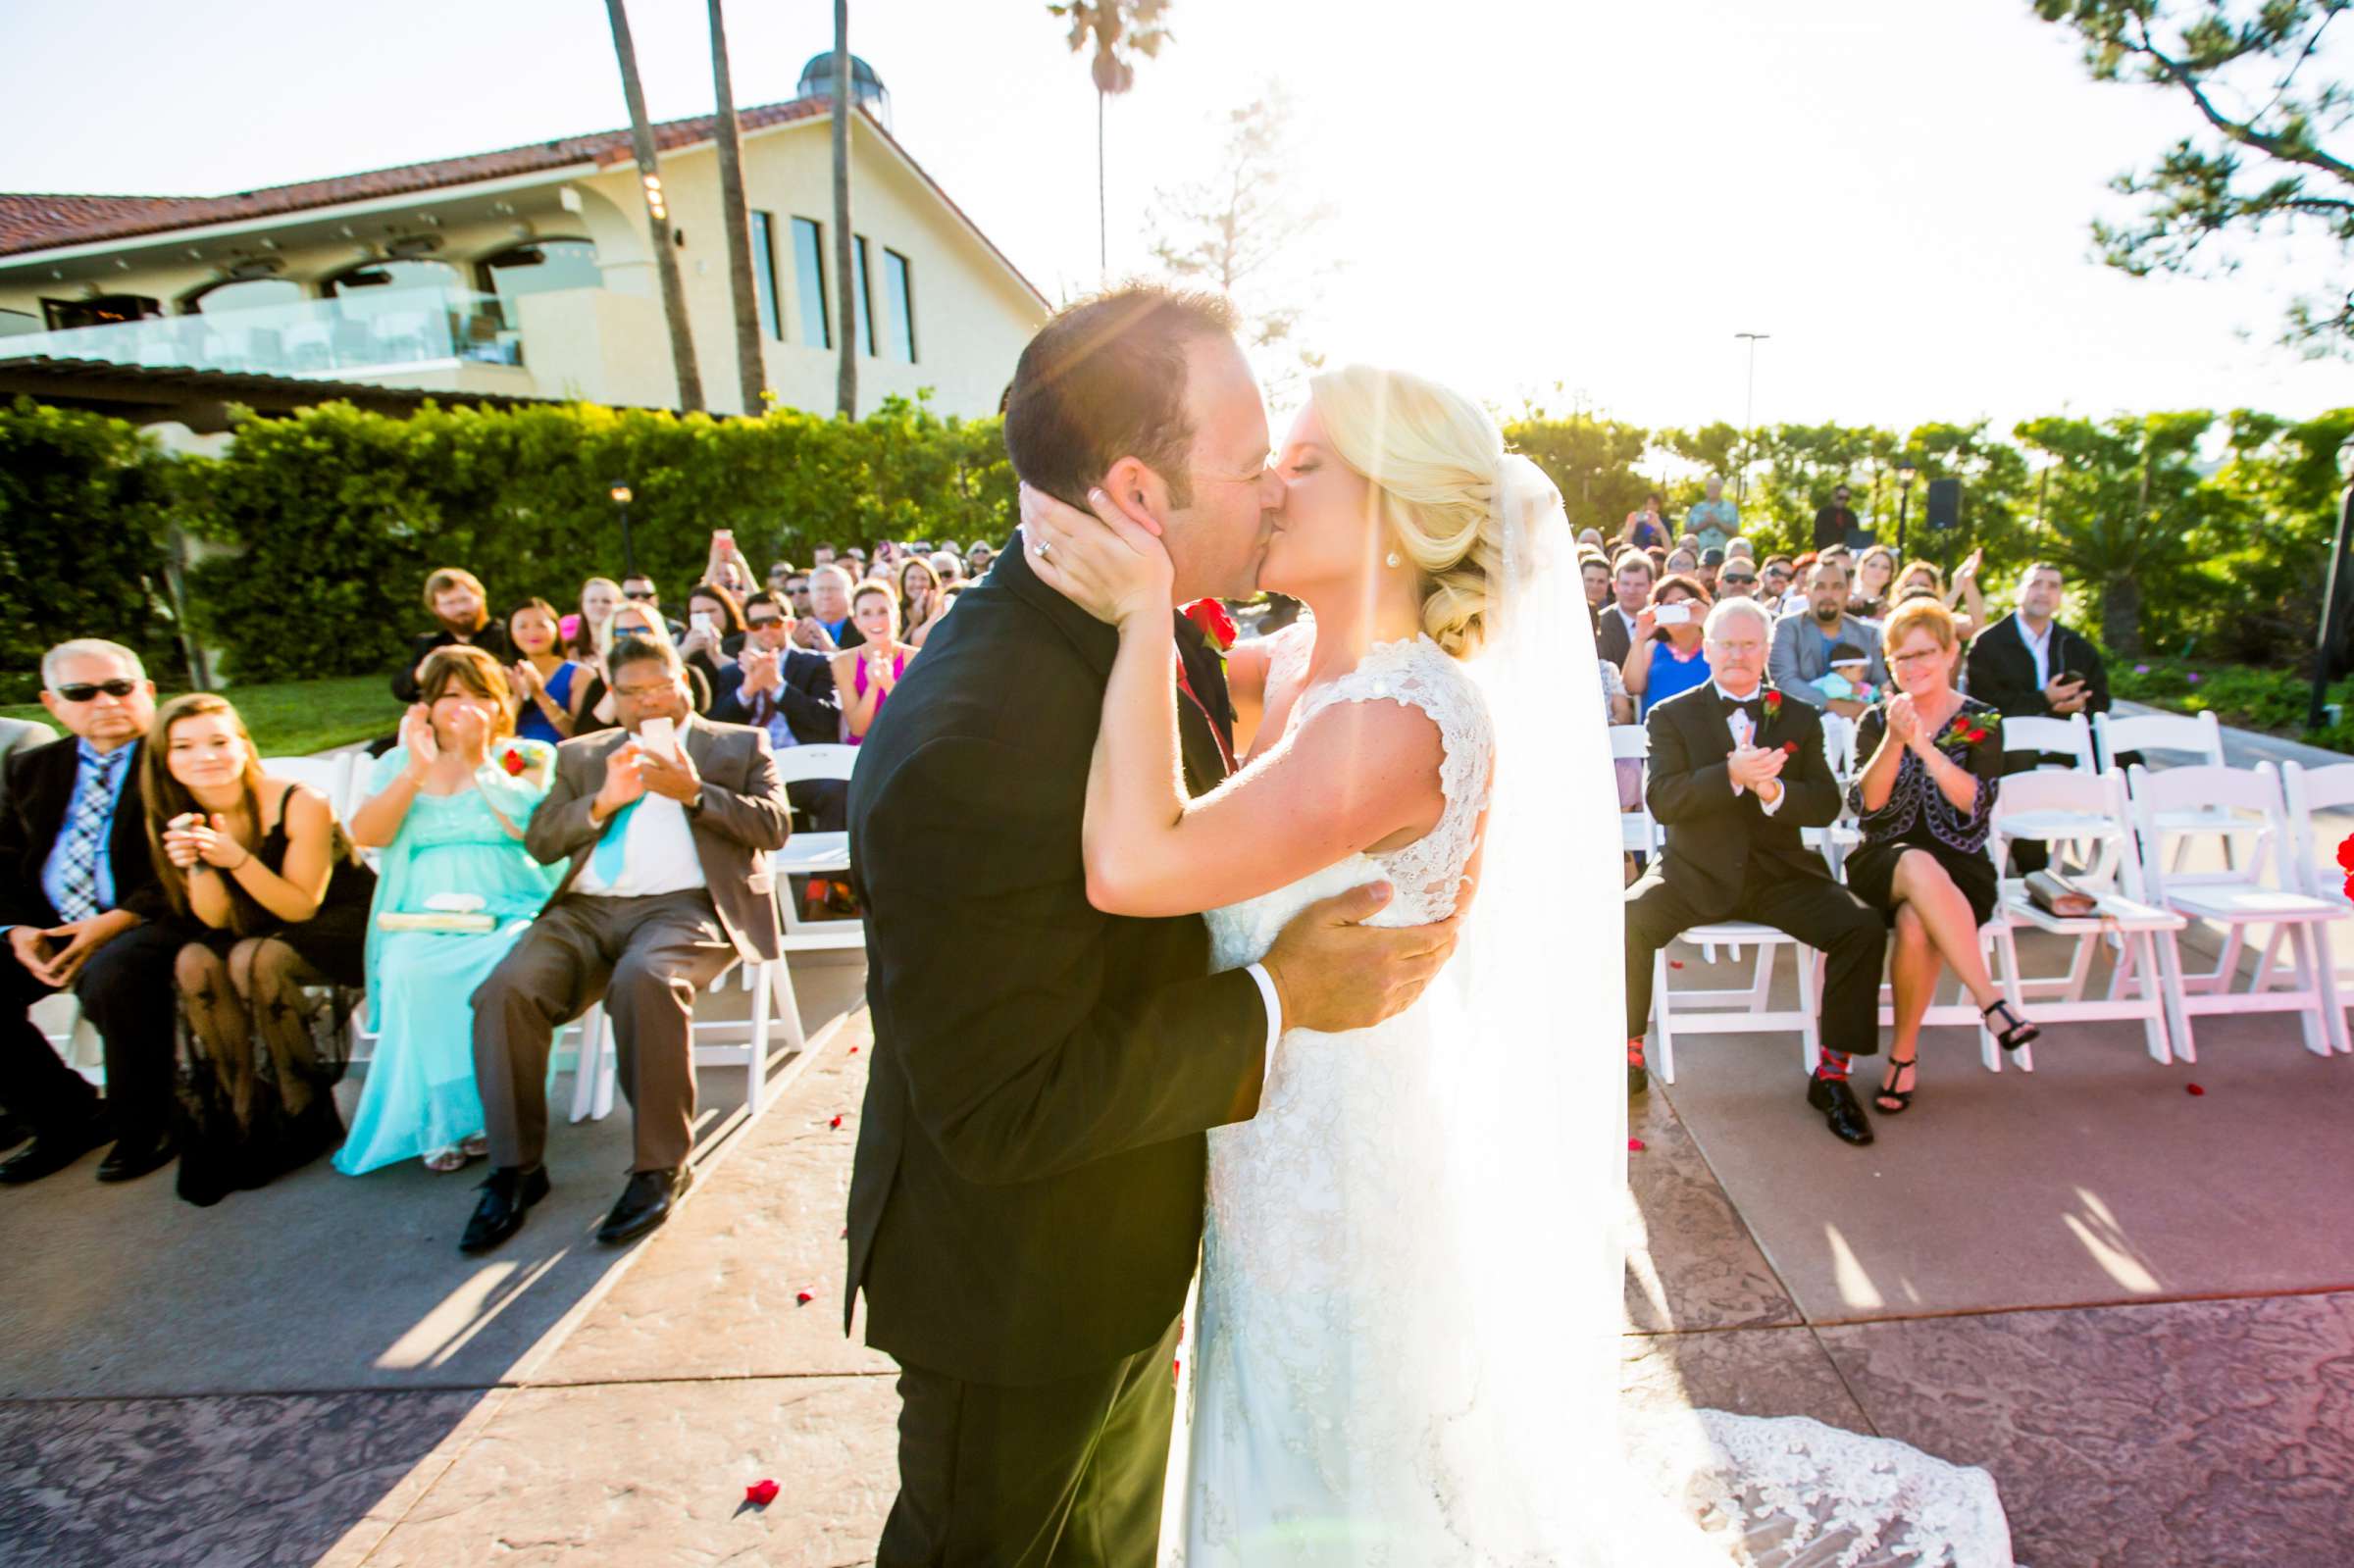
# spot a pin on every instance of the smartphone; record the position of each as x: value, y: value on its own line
x: 727, y: 535
x: 658, y: 735
x: 704, y: 621
x: 1671, y: 615
x: 2074, y: 676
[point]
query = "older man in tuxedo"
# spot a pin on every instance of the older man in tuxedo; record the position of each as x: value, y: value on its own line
x: 1736, y: 770
x: 83, y: 910
x: 668, y: 823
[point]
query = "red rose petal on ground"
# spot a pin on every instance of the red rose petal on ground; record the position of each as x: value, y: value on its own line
x: 803, y: 1297
x: 853, y: 1050
x: 1675, y: 963
x: 761, y: 1494
x: 2192, y: 1089
x: 837, y: 1122
x: 1635, y: 1145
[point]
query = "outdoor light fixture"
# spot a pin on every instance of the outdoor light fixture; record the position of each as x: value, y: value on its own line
x: 1906, y: 474
x: 620, y: 492
x: 621, y: 496
x: 653, y: 197
x: 2329, y: 640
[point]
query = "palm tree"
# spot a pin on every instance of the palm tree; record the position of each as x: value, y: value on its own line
x: 657, y: 216
x: 751, y: 371
x: 846, y: 378
x: 1114, y: 27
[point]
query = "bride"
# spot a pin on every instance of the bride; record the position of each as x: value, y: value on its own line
x: 1408, y: 1346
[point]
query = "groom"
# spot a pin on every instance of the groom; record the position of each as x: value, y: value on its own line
x: 1026, y: 1202
x: 1736, y: 770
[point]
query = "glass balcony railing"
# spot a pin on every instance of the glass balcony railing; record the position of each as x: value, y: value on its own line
x: 357, y: 334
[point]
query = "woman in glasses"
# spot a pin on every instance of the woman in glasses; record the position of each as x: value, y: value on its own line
x: 1668, y: 655
x: 276, y: 901
x: 461, y: 610
x: 548, y: 686
x: 1926, y: 803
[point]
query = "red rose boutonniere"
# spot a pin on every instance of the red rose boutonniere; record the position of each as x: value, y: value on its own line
x: 512, y: 761
x: 1215, y: 624
x: 1773, y: 704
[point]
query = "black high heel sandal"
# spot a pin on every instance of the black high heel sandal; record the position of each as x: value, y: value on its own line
x: 2018, y: 1031
x: 1902, y: 1096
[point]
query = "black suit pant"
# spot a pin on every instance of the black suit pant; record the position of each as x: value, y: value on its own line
x: 1850, y: 934
x: 125, y: 991
x: 1061, y: 1475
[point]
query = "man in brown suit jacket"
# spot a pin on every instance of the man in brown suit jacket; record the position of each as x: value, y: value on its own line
x: 669, y: 885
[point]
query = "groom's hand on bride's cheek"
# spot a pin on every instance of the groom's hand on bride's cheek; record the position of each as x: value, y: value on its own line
x: 1334, y: 974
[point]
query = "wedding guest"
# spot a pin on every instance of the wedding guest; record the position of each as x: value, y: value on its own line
x: 1594, y: 568
x: 1774, y: 579
x: 447, y: 808
x: 822, y: 555
x: 1645, y: 527
x: 727, y: 566
x: 1737, y: 579
x: 714, y: 632
x: 549, y: 687
x: 272, y: 898
x: 1835, y: 524
x: 1712, y: 562
x: 1739, y: 545
x: 1849, y: 678
x: 1590, y: 539
x: 1631, y: 579
x: 949, y: 566
x: 1619, y: 707
x: 1875, y: 569
x: 599, y: 598
x: 84, y: 911
x: 920, y: 603
x: 1656, y: 668
x: 1803, y: 640
x: 2029, y: 665
x: 1963, y: 598
x: 668, y: 883
x: 977, y: 558
x: 866, y: 675
x: 1926, y: 803
x: 787, y: 693
x: 1682, y: 561
x: 635, y: 622
x: 1715, y: 520
x: 638, y: 589
x: 461, y: 613
x: 1736, y: 771
x: 796, y: 594
x: 779, y: 576
x: 828, y: 628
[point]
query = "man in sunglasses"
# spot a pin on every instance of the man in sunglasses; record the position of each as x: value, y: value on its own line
x: 789, y: 694
x: 638, y: 588
x: 84, y: 911
x: 1737, y: 579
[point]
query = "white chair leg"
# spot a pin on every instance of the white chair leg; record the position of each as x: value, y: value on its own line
x: 2324, y: 968
x: 587, y: 1063
x: 756, y: 1084
x: 1761, y: 979
x: 2169, y: 991
x: 2143, y: 957
x: 2312, y: 1020
x: 1662, y: 1053
x: 1809, y: 989
x: 788, y: 1004
x: 608, y: 1067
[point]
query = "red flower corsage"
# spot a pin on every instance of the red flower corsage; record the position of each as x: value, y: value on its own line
x: 1215, y: 624
x: 1773, y: 704
x: 513, y: 762
x: 1965, y: 731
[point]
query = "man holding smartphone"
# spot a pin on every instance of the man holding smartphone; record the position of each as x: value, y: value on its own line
x: 2030, y: 666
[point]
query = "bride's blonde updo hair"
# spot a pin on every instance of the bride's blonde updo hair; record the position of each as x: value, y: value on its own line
x: 1434, y: 458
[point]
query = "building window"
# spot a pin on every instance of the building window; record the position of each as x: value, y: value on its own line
x: 862, y: 298
x: 106, y: 310
x: 764, y: 274
x: 19, y: 324
x: 245, y: 293
x: 542, y: 266
x: 810, y: 274
x: 898, y: 302
x: 392, y: 276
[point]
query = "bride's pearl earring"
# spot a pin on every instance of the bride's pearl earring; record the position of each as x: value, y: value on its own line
x: 1393, y: 562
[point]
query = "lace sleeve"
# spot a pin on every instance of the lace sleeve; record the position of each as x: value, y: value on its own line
x: 1418, y: 675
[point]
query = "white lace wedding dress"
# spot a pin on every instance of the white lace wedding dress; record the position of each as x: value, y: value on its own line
x: 1334, y: 1409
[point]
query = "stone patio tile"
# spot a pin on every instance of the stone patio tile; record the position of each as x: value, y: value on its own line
x: 1692, y: 1263
x: 655, y: 1473
x: 1757, y: 1372
x: 2185, y: 1435
x: 243, y: 1479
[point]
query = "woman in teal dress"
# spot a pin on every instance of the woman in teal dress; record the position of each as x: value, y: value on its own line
x: 447, y: 807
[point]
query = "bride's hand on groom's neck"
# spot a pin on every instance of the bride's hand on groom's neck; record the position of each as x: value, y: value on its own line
x: 1107, y: 562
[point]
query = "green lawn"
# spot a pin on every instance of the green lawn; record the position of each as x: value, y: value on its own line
x: 294, y: 718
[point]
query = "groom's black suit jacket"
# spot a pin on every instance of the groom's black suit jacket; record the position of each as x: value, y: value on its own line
x: 1026, y: 1202
x: 1718, y: 840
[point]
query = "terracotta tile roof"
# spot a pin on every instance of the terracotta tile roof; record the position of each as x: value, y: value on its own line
x: 36, y: 222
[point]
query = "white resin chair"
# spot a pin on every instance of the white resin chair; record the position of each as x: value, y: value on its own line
x: 1638, y: 833
x: 2266, y: 889
x: 1739, y: 1010
x: 2089, y: 810
x: 2070, y: 736
x: 2201, y: 740
x: 2313, y: 845
x: 334, y: 774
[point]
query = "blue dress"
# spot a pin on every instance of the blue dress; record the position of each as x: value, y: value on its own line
x: 1670, y: 675
x: 420, y: 1093
x: 530, y: 724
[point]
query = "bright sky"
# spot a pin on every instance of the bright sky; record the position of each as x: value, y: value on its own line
x: 1528, y: 191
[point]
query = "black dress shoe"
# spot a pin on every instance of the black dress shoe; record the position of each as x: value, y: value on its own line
x: 1638, y: 1079
x: 507, y: 1196
x: 51, y: 1152
x: 644, y: 1204
x: 1838, y: 1102
x: 129, y: 1164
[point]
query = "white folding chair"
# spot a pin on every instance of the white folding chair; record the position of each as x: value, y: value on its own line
x: 1740, y: 1010
x: 2201, y: 740
x: 1839, y: 754
x: 2070, y: 736
x: 2266, y: 890
x: 2088, y: 809
x: 2312, y: 844
x: 1638, y: 833
x: 332, y: 775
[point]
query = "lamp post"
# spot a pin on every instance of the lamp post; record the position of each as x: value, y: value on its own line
x: 2337, y: 597
x: 621, y: 501
x: 1906, y: 474
x: 1748, y: 409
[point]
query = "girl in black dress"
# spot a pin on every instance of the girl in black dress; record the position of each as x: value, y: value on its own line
x: 274, y: 900
x: 1925, y: 801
